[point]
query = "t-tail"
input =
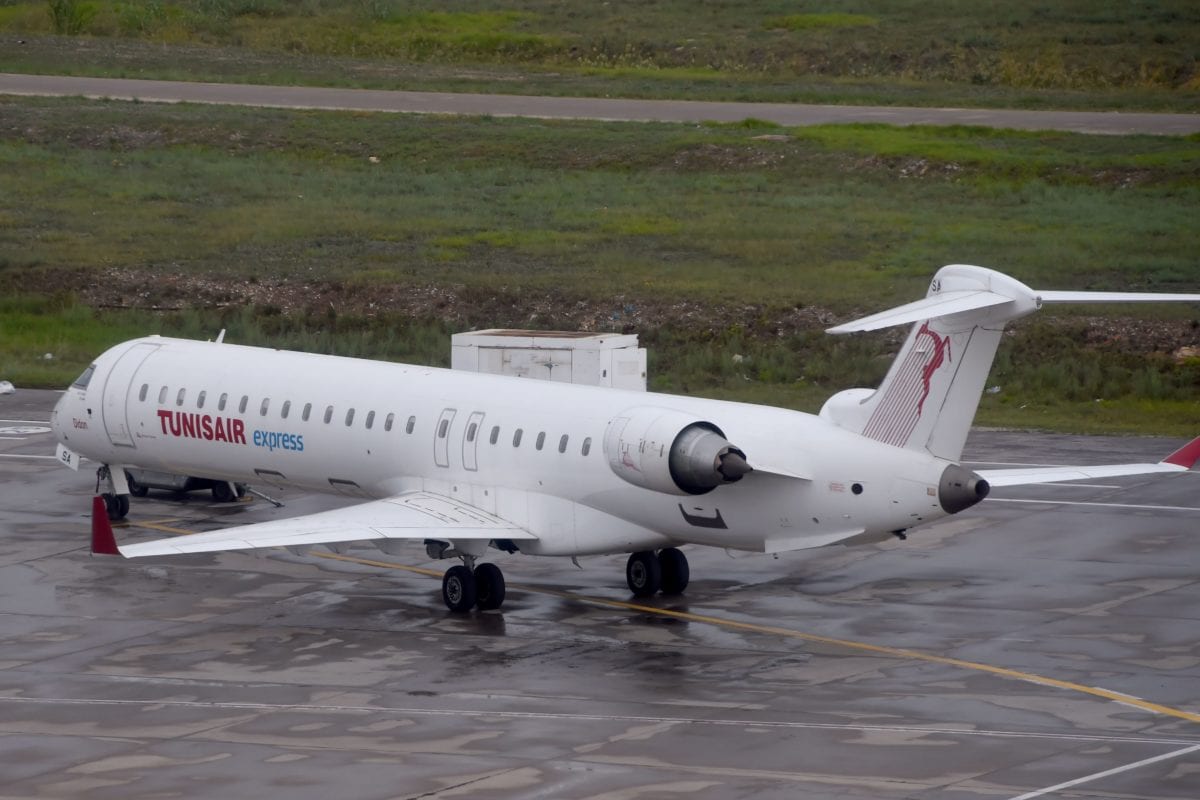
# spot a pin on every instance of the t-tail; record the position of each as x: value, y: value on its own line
x: 929, y: 397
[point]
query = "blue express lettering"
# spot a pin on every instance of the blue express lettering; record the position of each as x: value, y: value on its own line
x: 274, y: 440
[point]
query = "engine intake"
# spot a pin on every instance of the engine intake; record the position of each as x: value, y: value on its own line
x: 671, y: 451
x: 960, y: 489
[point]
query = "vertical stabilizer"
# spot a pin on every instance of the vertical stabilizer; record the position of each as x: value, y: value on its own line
x: 929, y: 397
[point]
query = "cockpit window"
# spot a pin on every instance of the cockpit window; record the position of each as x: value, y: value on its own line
x: 82, y: 381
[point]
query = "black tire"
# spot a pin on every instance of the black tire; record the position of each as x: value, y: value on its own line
x: 241, y: 490
x: 222, y: 493
x: 675, y: 570
x: 117, y: 506
x: 458, y: 589
x: 489, y: 587
x: 643, y: 573
x: 135, y: 488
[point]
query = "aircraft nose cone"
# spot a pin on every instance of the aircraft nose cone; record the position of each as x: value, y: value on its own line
x: 56, y: 418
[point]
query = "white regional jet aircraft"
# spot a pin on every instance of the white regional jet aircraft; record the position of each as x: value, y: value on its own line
x: 467, y: 461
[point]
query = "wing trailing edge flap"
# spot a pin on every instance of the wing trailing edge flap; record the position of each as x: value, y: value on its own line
x: 411, y: 515
x: 1181, y: 460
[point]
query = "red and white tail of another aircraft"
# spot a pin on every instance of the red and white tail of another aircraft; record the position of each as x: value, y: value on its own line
x: 467, y: 462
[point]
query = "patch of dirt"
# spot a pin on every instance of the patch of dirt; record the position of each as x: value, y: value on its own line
x: 478, y: 307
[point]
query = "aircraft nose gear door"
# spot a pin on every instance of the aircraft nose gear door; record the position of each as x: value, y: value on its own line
x: 117, y: 387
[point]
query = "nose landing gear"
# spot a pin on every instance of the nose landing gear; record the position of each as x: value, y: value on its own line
x: 116, y: 499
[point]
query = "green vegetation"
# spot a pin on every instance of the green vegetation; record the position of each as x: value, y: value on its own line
x: 379, y: 235
x: 1076, y: 53
x: 803, y: 22
x: 1046, y: 379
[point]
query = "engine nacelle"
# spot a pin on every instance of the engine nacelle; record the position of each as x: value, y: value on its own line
x: 847, y: 409
x: 671, y: 451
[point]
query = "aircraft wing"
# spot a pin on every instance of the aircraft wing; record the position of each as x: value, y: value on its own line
x: 411, y: 515
x: 1181, y: 460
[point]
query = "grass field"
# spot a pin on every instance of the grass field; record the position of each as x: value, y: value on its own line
x: 379, y: 235
x: 1076, y: 53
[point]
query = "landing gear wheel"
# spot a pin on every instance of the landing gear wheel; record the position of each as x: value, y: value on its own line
x: 675, y: 571
x: 117, y: 506
x: 489, y: 587
x: 135, y: 488
x: 458, y: 589
x: 643, y: 573
x: 222, y: 493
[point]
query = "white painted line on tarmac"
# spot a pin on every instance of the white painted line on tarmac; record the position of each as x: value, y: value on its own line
x: 12, y: 438
x: 1114, y: 771
x: 1074, y: 485
x: 27, y: 421
x: 1087, y: 503
x: 23, y: 455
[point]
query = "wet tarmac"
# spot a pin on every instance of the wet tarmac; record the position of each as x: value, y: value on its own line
x: 1015, y: 648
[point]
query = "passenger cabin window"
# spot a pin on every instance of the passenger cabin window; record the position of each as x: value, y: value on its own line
x: 262, y: 410
x: 495, y: 434
x: 242, y: 405
x: 200, y: 399
x: 587, y: 446
x: 328, y: 414
x: 445, y: 426
x: 145, y: 390
x: 412, y: 423
x: 162, y: 395
x: 179, y: 397
x: 86, y: 377
x: 370, y: 419
x: 388, y: 421
x: 471, y: 432
x: 286, y: 409
x: 221, y: 403
x: 562, y: 444
x: 349, y: 417
x: 517, y: 438
x: 541, y: 440
x: 307, y: 412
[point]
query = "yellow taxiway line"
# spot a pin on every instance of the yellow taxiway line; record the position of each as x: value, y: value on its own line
x: 772, y: 630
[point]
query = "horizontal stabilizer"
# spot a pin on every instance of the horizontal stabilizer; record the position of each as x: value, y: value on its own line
x: 1116, y: 297
x: 937, y: 305
x: 1181, y: 460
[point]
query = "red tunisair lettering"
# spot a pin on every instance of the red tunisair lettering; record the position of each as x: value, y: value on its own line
x: 202, y: 426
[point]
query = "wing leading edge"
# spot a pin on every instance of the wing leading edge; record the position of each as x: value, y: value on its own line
x: 1181, y: 460
x: 412, y: 515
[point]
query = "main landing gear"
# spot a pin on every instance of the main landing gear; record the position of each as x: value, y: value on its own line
x: 648, y: 573
x: 467, y: 586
